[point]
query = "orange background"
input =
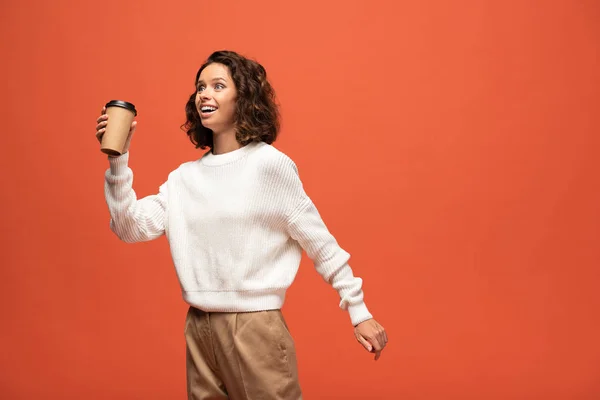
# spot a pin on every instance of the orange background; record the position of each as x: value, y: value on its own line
x: 451, y: 147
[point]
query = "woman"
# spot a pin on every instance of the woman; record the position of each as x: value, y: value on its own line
x: 236, y: 220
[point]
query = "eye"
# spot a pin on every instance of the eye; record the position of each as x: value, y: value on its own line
x: 200, y: 88
x: 219, y: 86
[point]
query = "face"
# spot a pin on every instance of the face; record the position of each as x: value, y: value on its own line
x: 215, y: 98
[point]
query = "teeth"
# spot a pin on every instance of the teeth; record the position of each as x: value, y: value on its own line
x: 208, y: 108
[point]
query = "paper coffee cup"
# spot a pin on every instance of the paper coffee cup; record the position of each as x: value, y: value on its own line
x: 120, y: 116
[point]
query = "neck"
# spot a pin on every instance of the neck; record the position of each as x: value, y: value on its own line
x: 225, y: 142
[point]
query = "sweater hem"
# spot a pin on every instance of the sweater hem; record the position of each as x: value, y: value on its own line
x: 235, y: 301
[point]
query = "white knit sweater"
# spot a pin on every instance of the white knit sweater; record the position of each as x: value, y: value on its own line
x: 236, y: 225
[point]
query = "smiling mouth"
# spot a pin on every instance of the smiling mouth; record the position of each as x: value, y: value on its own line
x: 207, y: 110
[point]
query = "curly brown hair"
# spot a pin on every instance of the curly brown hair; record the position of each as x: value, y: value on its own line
x: 256, y: 114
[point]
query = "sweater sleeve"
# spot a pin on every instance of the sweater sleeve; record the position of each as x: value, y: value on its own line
x: 306, y: 226
x: 132, y: 220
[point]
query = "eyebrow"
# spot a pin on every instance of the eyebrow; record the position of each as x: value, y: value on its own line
x: 213, y: 80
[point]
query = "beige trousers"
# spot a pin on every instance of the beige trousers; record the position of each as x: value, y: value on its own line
x: 240, y: 356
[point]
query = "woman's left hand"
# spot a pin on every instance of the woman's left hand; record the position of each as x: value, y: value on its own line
x: 372, y: 336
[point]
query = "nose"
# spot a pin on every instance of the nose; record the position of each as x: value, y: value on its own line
x: 205, y: 94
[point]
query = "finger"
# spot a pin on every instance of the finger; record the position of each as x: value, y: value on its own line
x: 103, y: 117
x: 377, y: 344
x: 377, y: 341
x: 101, y: 125
x: 99, y: 135
x: 377, y: 349
x: 133, y: 127
x: 381, y: 338
x: 103, y: 109
x: 364, y: 342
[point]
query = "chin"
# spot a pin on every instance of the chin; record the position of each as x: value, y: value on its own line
x: 207, y: 124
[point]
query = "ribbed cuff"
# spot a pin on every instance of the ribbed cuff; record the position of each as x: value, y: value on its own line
x: 359, y: 313
x: 118, y: 165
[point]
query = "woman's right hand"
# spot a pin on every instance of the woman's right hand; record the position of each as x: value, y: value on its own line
x: 101, y: 128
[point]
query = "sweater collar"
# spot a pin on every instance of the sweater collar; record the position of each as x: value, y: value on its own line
x: 211, y: 159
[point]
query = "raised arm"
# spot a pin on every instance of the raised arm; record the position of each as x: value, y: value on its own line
x: 132, y: 220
